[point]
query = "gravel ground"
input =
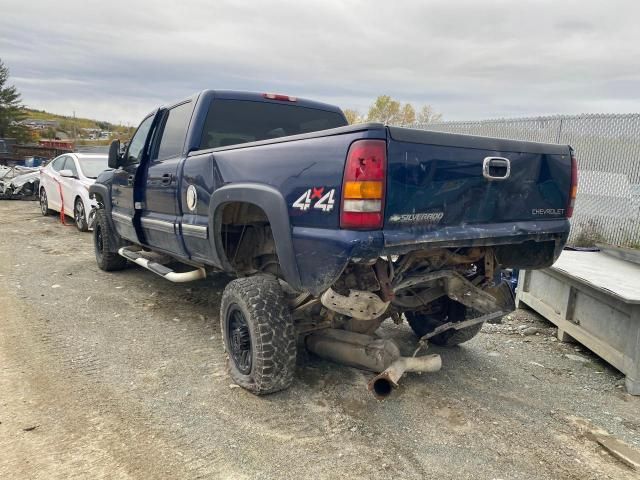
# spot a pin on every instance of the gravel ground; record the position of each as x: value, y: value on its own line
x: 123, y: 375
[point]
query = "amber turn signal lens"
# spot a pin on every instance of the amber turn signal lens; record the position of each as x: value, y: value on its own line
x: 363, y: 190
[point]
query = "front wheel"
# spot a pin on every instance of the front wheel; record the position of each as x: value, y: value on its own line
x: 258, y: 334
x: 107, y: 256
x: 79, y: 215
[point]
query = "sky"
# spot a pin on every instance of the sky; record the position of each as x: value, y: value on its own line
x: 470, y: 59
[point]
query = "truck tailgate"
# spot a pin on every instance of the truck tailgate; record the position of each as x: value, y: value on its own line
x: 435, y: 181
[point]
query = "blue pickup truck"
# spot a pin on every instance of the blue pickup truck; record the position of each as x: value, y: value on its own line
x: 330, y: 228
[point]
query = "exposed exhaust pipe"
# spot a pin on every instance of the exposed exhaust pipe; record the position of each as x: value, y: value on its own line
x: 370, y: 353
x: 383, y: 384
x: 353, y: 349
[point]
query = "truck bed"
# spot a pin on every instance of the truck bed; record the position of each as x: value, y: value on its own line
x: 436, y: 195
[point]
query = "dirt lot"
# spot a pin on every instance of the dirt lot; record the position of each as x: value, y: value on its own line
x: 123, y: 376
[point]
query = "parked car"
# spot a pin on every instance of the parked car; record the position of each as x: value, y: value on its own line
x: 332, y: 228
x: 64, y: 186
x: 24, y: 185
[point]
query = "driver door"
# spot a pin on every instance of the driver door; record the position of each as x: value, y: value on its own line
x: 123, y: 201
x: 159, y: 218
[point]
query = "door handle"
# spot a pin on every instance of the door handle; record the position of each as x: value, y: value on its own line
x: 167, y: 179
x: 496, y: 168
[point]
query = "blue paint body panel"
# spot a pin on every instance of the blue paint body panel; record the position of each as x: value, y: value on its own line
x: 431, y: 173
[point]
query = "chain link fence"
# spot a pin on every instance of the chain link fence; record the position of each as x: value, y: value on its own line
x: 608, y: 151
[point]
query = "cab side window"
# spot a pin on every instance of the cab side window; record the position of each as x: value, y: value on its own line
x: 58, y: 163
x: 70, y: 164
x: 136, y: 147
x: 175, y: 131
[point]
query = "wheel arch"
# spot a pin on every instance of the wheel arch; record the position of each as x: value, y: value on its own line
x: 102, y: 195
x: 273, y: 204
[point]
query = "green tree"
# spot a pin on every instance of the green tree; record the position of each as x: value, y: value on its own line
x: 427, y: 115
x: 353, y: 116
x: 407, y: 115
x: 392, y: 112
x: 10, y: 109
x: 384, y: 110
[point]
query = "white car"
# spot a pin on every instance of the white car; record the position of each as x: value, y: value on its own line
x: 64, y: 185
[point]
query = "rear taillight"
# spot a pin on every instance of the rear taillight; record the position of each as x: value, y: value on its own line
x: 277, y: 96
x: 574, y: 186
x: 363, y: 186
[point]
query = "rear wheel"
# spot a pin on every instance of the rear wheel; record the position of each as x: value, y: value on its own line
x: 444, y: 310
x: 79, y: 215
x: 504, y: 297
x: 44, y: 203
x: 107, y: 256
x: 258, y: 334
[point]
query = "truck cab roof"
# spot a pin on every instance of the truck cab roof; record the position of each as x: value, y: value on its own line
x: 210, y: 94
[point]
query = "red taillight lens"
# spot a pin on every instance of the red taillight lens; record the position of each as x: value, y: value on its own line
x: 364, y: 185
x: 574, y: 186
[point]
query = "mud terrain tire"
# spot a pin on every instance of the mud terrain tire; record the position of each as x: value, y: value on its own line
x: 107, y: 256
x: 258, y: 334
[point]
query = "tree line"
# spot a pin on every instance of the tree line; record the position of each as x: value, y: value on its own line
x: 392, y: 112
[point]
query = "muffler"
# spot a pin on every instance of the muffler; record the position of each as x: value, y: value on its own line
x: 370, y: 353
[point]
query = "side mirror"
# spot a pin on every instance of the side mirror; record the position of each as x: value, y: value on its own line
x: 114, y: 154
x: 67, y: 174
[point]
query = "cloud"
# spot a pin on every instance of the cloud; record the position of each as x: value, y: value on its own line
x: 118, y: 60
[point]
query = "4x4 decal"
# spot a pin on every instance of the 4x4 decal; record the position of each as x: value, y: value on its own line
x: 323, y: 201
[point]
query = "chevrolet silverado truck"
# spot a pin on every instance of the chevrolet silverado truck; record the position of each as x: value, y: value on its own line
x: 330, y: 228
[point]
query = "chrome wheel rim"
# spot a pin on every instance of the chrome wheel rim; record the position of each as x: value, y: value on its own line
x: 79, y: 215
x: 43, y: 202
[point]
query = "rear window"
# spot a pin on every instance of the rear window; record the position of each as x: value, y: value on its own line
x: 230, y: 122
x: 175, y: 130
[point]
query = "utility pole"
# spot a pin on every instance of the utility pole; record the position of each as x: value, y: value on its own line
x: 74, y: 126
